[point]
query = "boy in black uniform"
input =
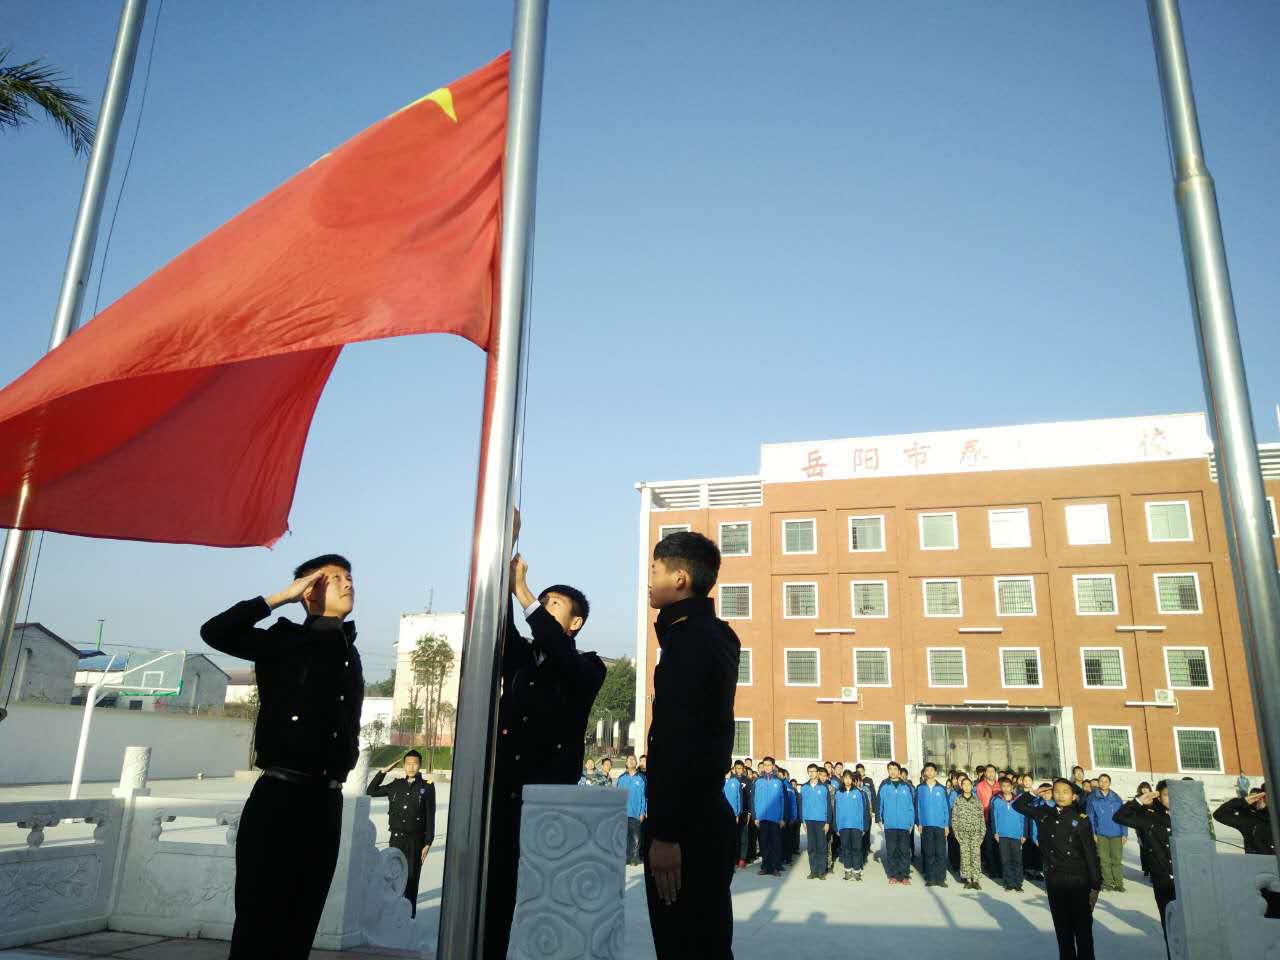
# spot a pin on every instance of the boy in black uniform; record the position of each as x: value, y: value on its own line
x: 412, y: 812
x: 1149, y: 816
x: 690, y: 833
x: 1072, y: 873
x: 310, y: 690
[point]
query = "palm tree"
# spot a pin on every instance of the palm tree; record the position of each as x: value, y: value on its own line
x: 35, y: 84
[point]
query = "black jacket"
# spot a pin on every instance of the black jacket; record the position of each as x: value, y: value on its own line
x: 1152, y: 824
x: 1069, y: 852
x: 412, y: 807
x: 310, y: 687
x: 543, y: 710
x: 1254, y: 824
x: 691, y: 735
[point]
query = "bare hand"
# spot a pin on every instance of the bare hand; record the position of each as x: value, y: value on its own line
x: 1146, y: 798
x: 294, y: 591
x: 515, y: 525
x: 424, y: 852
x: 519, y: 572
x: 664, y: 865
x: 1046, y: 793
x: 1093, y: 899
x: 1255, y: 799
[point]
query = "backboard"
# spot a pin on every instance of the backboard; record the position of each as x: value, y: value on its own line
x: 132, y: 671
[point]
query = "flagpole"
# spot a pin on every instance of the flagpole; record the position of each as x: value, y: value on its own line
x: 84, y: 237
x: 1235, y: 445
x: 462, y: 904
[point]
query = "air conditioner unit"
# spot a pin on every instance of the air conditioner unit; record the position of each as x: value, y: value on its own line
x: 1165, y: 697
x: 849, y: 694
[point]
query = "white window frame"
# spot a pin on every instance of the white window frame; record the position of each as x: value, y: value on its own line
x: 1075, y: 592
x: 1030, y: 578
x: 1039, y: 668
x: 666, y: 529
x: 1026, y: 515
x: 1186, y: 504
x: 786, y: 729
x: 1066, y: 515
x: 888, y: 666
x: 1084, y: 676
x: 720, y: 536
x: 964, y: 667
x: 924, y: 597
x: 720, y: 600
x: 853, y: 606
x: 817, y: 666
x: 1272, y: 519
x: 1133, y: 757
x: 800, y: 583
x: 857, y: 740
x: 866, y: 516
x: 800, y: 553
x: 1208, y: 666
x: 1179, y: 613
x: 955, y: 527
x: 1177, y: 748
x: 751, y: 666
x: 751, y: 735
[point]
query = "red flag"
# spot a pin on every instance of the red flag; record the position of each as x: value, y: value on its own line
x: 180, y: 413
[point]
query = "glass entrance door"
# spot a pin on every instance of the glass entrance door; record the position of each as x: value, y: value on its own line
x: 1031, y: 749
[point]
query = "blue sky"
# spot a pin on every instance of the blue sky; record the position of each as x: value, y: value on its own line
x: 756, y: 222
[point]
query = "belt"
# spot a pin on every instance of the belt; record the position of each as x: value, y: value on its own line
x: 305, y: 779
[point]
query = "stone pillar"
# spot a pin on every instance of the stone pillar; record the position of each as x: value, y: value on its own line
x: 1193, y: 920
x: 573, y: 845
x: 358, y: 778
x: 133, y: 774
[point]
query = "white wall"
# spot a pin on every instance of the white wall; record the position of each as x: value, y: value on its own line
x: 450, y: 626
x: 38, y: 743
x: 43, y: 665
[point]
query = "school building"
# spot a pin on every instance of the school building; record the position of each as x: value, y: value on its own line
x: 1034, y: 596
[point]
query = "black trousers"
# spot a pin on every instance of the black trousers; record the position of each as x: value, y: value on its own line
x: 991, y: 855
x: 1072, y: 921
x: 792, y: 831
x: 770, y: 847
x: 700, y: 922
x: 633, y: 839
x: 851, y: 855
x: 753, y: 840
x: 1031, y: 855
x: 933, y: 854
x: 953, y: 852
x: 897, y: 854
x: 504, y: 865
x: 1165, y: 895
x: 816, y: 841
x: 1011, y: 861
x: 744, y: 830
x: 286, y: 851
x: 411, y: 846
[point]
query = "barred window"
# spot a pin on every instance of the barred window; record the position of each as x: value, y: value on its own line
x: 1177, y: 593
x: 866, y: 533
x: 742, y: 738
x: 1021, y: 668
x: 1198, y: 750
x: 670, y: 528
x: 735, y: 539
x: 1103, y: 668
x: 1168, y: 521
x: 1188, y: 667
x: 803, y: 738
x: 871, y: 668
x: 1095, y: 594
x: 1112, y: 748
x: 799, y: 536
x: 938, y: 531
x: 942, y: 598
x: 1271, y: 516
x: 1015, y: 596
x: 800, y: 600
x: 802, y: 668
x: 870, y: 598
x: 735, y: 601
x: 875, y: 741
x: 744, y: 667
x: 946, y: 668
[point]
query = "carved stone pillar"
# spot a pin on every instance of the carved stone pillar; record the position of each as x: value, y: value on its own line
x: 133, y: 773
x: 1193, y: 919
x: 573, y: 845
x: 358, y: 778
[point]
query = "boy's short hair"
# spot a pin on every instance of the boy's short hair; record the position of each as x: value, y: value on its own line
x: 813, y: 767
x: 764, y: 759
x: 858, y: 766
x: 577, y: 599
x: 608, y: 760
x: 928, y: 765
x: 324, y: 560
x: 1162, y: 785
x: 1064, y: 781
x: 1004, y: 780
x: 412, y: 753
x: 893, y: 764
x: 693, y: 553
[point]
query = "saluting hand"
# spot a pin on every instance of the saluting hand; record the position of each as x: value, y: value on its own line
x: 1146, y: 797
x: 294, y: 591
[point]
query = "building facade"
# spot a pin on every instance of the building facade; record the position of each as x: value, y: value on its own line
x: 1032, y: 597
x: 414, y: 626
x: 42, y: 667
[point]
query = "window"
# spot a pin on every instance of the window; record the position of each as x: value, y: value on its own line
x: 800, y: 601
x: 799, y: 536
x: 870, y: 598
x: 735, y: 601
x: 744, y: 669
x: 1112, y: 748
x: 1177, y: 592
x: 804, y: 739
x: 1168, y: 521
x: 1020, y: 668
x: 1095, y: 594
x: 1188, y: 668
x: 1103, y: 667
x: 938, y: 531
x: 802, y: 669
x: 942, y: 598
x: 866, y: 534
x: 875, y: 741
x: 946, y: 667
x: 735, y: 539
x: 742, y: 738
x: 1015, y: 596
x: 1271, y: 516
x: 1009, y: 528
x: 668, y: 529
x: 135, y: 704
x: 871, y: 668
x: 1088, y: 524
x: 1199, y: 749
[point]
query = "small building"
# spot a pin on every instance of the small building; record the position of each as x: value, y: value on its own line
x: 241, y: 683
x: 42, y: 666
x: 373, y: 710
x: 414, y: 626
x: 202, y: 688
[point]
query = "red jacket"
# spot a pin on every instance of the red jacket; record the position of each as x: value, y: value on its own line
x: 985, y: 792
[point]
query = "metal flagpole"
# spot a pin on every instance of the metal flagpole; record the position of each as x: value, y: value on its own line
x: 1222, y: 366
x: 84, y: 236
x: 462, y: 904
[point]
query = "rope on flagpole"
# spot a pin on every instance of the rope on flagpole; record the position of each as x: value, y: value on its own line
x: 26, y: 617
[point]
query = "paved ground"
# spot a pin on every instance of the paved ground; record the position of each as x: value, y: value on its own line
x: 804, y: 918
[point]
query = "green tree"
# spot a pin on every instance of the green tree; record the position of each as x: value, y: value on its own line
x: 382, y: 688
x: 616, y: 700
x: 431, y: 661
x: 35, y: 85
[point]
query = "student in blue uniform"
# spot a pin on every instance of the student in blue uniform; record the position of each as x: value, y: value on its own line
x: 852, y: 820
x: 869, y: 788
x: 743, y: 808
x: 770, y: 813
x: 791, y: 832
x: 824, y: 778
x: 1010, y: 830
x: 636, y: 785
x: 898, y: 815
x: 815, y: 803
x: 933, y: 815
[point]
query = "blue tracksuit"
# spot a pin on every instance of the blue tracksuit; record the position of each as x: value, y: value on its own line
x: 933, y: 808
x: 853, y: 811
x: 733, y: 793
x: 1005, y: 821
x: 1010, y: 826
x: 897, y: 805
x: 816, y: 802
x: 793, y: 803
x: 1102, y: 811
x: 637, y: 801
x: 770, y: 806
